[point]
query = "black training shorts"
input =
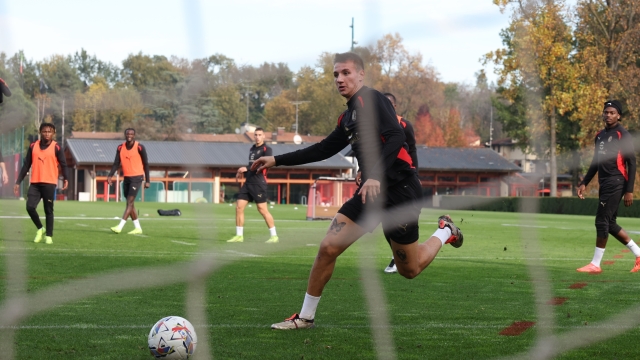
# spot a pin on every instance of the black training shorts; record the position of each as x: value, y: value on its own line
x: 611, y: 192
x: 131, y: 185
x: 253, y: 192
x: 401, y: 211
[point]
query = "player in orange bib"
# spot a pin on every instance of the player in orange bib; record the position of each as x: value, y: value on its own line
x: 135, y: 168
x: 43, y: 158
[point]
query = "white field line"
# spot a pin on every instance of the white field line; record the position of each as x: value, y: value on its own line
x: 243, y: 253
x: 182, y: 242
x: 226, y: 253
x: 266, y: 326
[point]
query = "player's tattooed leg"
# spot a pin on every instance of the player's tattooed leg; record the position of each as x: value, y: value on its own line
x: 401, y: 256
x: 336, y: 227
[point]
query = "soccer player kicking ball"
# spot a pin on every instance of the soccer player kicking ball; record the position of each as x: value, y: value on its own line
x: 389, y: 183
x: 133, y: 158
x: 614, y: 160
x: 43, y: 158
x: 254, y: 189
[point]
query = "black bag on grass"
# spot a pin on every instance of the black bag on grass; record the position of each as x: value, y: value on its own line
x: 174, y: 212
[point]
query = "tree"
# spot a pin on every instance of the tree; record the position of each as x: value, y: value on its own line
x: 608, y: 44
x: 453, y: 136
x: 538, y: 60
x: 426, y: 130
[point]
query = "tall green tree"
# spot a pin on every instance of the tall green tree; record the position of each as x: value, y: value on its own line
x: 537, y: 63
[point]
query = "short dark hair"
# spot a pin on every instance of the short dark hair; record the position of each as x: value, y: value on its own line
x: 390, y: 95
x: 258, y: 129
x: 349, y: 56
x: 47, y: 124
x: 127, y: 129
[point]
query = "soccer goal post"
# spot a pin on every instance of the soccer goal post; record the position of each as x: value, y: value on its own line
x: 326, y: 196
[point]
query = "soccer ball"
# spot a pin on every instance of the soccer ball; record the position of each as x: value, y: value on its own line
x: 172, y: 337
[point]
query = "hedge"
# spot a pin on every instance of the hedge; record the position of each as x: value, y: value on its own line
x: 547, y: 205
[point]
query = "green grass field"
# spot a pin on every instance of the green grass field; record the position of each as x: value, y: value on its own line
x: 455, y: 309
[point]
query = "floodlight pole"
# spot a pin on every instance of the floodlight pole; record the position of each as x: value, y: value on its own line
x: 296, y: 103
x: 353, y: 42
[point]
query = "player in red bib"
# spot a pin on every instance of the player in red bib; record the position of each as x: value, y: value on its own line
x: 43, y: 158
x: 132, y: 156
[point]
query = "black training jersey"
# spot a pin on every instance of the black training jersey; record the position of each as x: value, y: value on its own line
x: 410, y: 140
x: 255, y: 153
x: 369, y: 116
x: 613, y: 158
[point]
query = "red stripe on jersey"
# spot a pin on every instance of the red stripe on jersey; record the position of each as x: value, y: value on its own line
x: 340, y: 118
x: 264, y: 173
x: 621, y: 167
x: 404, y: 156
x: 404, y: 124
x: 620, y: 161
x: 361, y: 101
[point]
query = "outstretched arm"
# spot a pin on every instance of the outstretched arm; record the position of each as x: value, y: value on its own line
x: 325, y: 149
x: 116, y: 165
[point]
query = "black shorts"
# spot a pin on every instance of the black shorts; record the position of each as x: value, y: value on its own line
x: 253, y: 192
x: 402, y: 209
x: 43, y: 191
x: 131, y: 185
x: 611, y: 193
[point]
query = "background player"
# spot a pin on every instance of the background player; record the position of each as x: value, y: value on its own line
x: 43, y: 158
x: 3, y: 169
x: 4, y: 90
x: 410, y: 139
x: 254, y: 189
x: 389, y: 181
x: 133, y: 157
x: 614, y: 161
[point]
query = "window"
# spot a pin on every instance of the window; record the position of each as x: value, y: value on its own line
x: 226, y: 174
x: 178, y: 174
x: 315, y: 176
x: 156, y: 173
x: 201, y: 174
x: 299, y: 176
x: 468, y: 178
x: 446, y: 178
x: 427, y: 178
x: 276, y: 175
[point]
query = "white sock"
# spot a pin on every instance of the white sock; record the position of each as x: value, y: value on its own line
x: 136, y: 223
x: 273, y: 231
x: 122, y: 223
x: 443, y: 234
x: 597, y: 256
x: 309, y: 307
x: 634, y: 248
x: 239, y: 230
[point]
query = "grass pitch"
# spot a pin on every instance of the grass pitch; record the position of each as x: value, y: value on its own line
x: 456, y: 309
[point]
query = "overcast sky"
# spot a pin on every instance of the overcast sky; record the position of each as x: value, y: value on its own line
x: 451, y: 35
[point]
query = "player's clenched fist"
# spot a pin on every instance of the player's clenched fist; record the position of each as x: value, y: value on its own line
x: 262, y: 163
